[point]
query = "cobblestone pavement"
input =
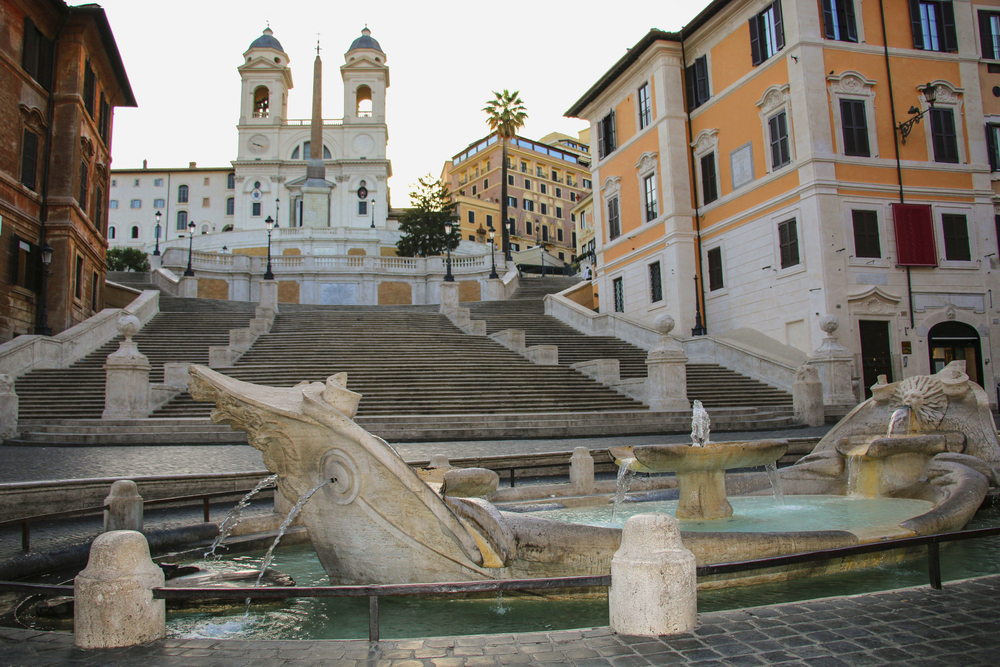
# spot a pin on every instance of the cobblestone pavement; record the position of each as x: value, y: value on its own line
x: 915, y: 627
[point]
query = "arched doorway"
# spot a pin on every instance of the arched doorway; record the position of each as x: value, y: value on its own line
x: 955, y: 341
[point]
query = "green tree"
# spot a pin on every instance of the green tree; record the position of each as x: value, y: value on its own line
x: 423, y: 225
x: 505, y: 114
x: 127, y: 259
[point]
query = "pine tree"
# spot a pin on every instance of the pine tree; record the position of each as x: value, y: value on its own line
x: 423, y: 225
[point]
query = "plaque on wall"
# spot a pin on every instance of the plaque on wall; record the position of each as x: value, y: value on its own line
x: 741, y: 163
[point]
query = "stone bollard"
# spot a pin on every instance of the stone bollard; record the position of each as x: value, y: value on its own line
x: 124, y: 507
x: 188, y: 287
x: 807, y: 396
x: 113, y: 603
x: 666, y: 374
x: 269, y: 295
x: 653, y: 579
x: 440, y: 461
x: 126, y: 394
x: 581, y: 470
x: 835, y: 364
x: 8, y: 407
x: 449, y: 296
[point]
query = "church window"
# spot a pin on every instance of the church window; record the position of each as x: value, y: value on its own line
x: 364, y: 97
x: 112, y: 233
x: 135, y: 231
x: 231, y: 182
x: 256, y: 209
x: 182, y: 221
x: 182, y: 194
x: 230, y: 206
x: 204, y: 229
x: 261, y: 102
x: 362, y: 208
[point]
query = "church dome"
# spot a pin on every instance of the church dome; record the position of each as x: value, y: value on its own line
x: 366, y: 42
x: 267, y: 41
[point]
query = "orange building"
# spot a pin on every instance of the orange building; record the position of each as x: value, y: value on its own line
x: 773, y: 163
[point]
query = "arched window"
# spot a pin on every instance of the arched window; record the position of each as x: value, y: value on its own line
x: 182, y: 194
x: 305, y: 150
x: 231, y: 206
x: 231, y: 182
x: 182, y: 221
x: 261, y: 102
x: 227, y: 228
x: 364, y: 95
x: 112, y: 232
x: 135, y: 231
x: 204, y: 229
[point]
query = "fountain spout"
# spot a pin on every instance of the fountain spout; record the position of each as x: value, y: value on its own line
x: 700, y: 425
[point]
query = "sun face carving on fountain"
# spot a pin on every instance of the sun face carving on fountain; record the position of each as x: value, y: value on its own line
x: 924, y: 396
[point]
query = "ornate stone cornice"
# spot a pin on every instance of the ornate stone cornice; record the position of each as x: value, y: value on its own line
x: 647, y: 162
x: 773, y: 97
x: 612, y: 186
x: 706, y: 140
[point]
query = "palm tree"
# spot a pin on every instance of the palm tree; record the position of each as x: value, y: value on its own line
x: 505, y: 114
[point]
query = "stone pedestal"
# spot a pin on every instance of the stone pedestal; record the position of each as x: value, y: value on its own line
x: 124, y: 507
x: 835, y: 365
x: 220, y: 356
x: 666, y: 371
x: 494, y: 290
x: 807, y: 396
x: 188, y: 287
x: 240, y: 340
x: 269, y: 295
x: 449, y: 296
x: 126, y: 394
x: 653, y: 579
x: 543, y: 355
x: 512, y: 339
x: 316, y: 204
x: 9, y: 405
x: 581, y: 470
x: 175, y: 374
x: 605, y: 371
x: 113, y: 603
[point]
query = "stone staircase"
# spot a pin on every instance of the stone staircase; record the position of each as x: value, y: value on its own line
x: 139, y: 281
x: 713, y: 385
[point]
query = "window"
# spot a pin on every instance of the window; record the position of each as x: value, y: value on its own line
x: 157, y: 203
x: 99, y: 208
x: 512, y: 202
x: 544, y: 209
x: 182, y: 221
x: 29, y: 160
x: 559, y: 193
x: 135, y: 183
x: 527, y: 228
x: 231, y: 182
x: 37, y: 54
x: 524, y: 167
x: 542, y: 188
x: 135, y: 231
x: 767, y: 35
x: 696, y: 83
x: 559, y: 211
x: 472, y: 217
x: 649, y: 194
x: 587, y: 184
x: 473, y: 190
x: 655, y: 283
x: 618, y: 287
x: 486, y: 183
x: 231, y: 206
x: 89, y: 88
x: 135, y: 203
x: 606, y: 139
x: 114, y: 182
x: 113, y: 203
x: 943, y: 135
x: 529, y: 205
x: 778, y: 138
x: 788, y: 243
x: 993, y: 144
x: 206, y: 202
x: 112, y: 233
x: 527, y: 184
x: 510, y: 179
x: 989, y: 34
x: 25, y: 257
x: 715, y: 278
x: 158, y: 182
x: 852, y: 113
x: 207, y: 181
x: 78, y: 292
x: 362, y: 207
x: 182, y: 194
x: 545, y: 232
x: 572, y: 196
x: 84, y: 185
x: 838, y: 20
x: 645, y: 110
x: 866, y: 239
x: 255, y: 209
x: 709, y: 180
x: 93, y: 290
x: 956, y: 237
x: 489, y: 221
x: 559, y: 234
x: 933, y: 24
x: 614, y: 223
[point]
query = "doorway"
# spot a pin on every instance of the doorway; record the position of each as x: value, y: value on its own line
x: 956, y: 341
x: 876, y: 356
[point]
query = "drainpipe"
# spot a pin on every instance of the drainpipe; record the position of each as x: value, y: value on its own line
x: 700, y: 324
x: 895, y: 139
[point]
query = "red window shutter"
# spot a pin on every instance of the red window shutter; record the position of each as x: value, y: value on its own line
x: 914, y: 235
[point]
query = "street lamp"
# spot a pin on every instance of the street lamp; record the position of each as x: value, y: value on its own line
x: 541, y: 247
x: 156, y: 251
x: 930, y: 94
x: 269, y: 275
x: 448, y: 278
x: 43, y: 328
x: 493, y: 261
x: 373, y: 213
x: 191, y: 226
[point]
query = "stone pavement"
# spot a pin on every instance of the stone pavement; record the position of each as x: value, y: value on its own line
x: 914, y: 627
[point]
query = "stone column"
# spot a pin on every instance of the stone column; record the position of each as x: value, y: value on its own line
x: 113, y: 603
x: 124, y: 507
x: 807, y: 396
x: 666, y: 373
x: 9, y: 405
x: 581, y: 470
x: 269, y: 295
x: 653, y: 579
x: 835, y: 365
x: 126, y: 394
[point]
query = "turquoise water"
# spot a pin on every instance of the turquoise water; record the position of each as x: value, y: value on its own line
x: 763, y: 513
x: 347, y: 618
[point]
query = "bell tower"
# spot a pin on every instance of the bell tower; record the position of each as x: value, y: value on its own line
x: 366, y: 78
x: 266, y: 80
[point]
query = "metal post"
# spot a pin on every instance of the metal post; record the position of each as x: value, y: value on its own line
x: 493, y: 259
x: 373, y: 213
x: 191, y: 227
x: 934, y: 564
x: 268, y: 275
x: 373, y: 618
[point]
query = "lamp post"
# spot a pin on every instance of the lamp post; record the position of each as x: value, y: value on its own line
x: 43, y: 327
x: 541, y: 247
x: 156, y: 251
x: 493, y: 260
x: 191, y: 226
x: 930, y: 94
x: 269, y: 275
x: 448, y: 278
x: 373, y: 213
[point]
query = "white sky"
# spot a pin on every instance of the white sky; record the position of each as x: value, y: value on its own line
x: 444, y: 59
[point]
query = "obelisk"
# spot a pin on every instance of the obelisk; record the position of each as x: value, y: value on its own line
x: 316, y: 189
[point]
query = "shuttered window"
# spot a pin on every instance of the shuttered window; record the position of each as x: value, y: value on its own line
x: 866, y: 240
x: 943, y: 133
x: 709, y: 182
x: 715, y: 280
x: 767, y: 34
x: 933, y: 25
x: 788, y: 243
x: 778, y: 135
x: 696, y: 82
x: 614, y: 222
x: 607, y: 140
x: 29, y: 160
x: 989, y: 34
x: 855, y: 126
x: 655, y: 283
x: 956, y: 237
x: 838, y: 20
x: 914, y: 235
